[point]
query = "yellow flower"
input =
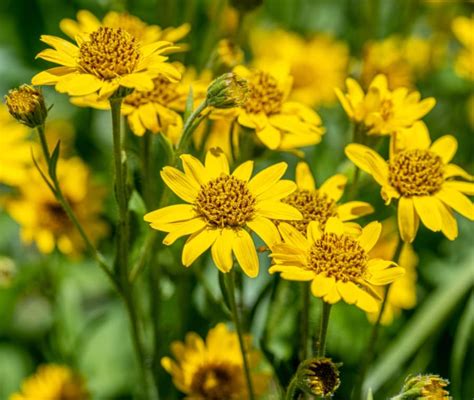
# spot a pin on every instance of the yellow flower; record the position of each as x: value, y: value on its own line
x: 15, y: 156
x: 52, y: 382
x: 278, y: 123
x: 424, y: 387
x: 222, y: 207
x: 26, y: 105
x: 140, y: 30
x: 381, y: 110
x: 338, y: 264
x: 159, y: 109
x: 317, y: 65
x: 102, y: 62
x: 420, y: 176
x: 213, y: 369
x: 402, y: 294
x: 401, y: 60
x: 321, y: 204
x: 43, y: 220
x: 463, y: 28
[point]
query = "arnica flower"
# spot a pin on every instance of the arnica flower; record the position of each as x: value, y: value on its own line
x: 42, y: 219
x: 402, y: 293
x: 317, y: 65
x: 424, y: 387
x: 15, y: 157
x: 104, y: 61
x: 140, y: 30
x: 420, y: 176
x: 318, y: 377
x: 338, y: 264
x: 278, y: 123
x: 52, y: 382
x: 213, y: 369
x: 321, y: 204
x: 26, y: 105
x: 463, y: 28
x: 159, y: 109
x: 380, y: 110
x: 222, y: 207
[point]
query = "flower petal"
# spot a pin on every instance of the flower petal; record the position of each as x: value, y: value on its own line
x: 180, y: 184
x: 194, y: 169
x: 244, y: 171
x: 174, y: 213
x: 293, y: 236
x: 445, y: 147
x: 265, y: 229
x: 267, y: 178
x: 457, y: 201
x: 449, y: 225
x: 428, y: 211
x: 407, y: 219
x: 463, y: 187
x: 334, y: 186
x: 334, y: 225
x: 321, y: 285
x: 197, y: 244
x: 353, y: 210
x: 370, y: 235
x: 278, y: 210
x: 348, y: 291
x: 216, y: 163
x: 181, y: 229
x: 269, y: 136
x: 366, y: 302
x: 313, y: 231
x: 78, y: 84
x: 278, y: 191
x: 304, y: 177
x: 244, y: 250
x: 222, y: 250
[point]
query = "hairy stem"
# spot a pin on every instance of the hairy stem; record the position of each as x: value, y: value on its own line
x: 323, y: 328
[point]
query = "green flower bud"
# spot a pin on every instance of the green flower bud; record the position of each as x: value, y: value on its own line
x: 227, y: 91
x: 26, y: 105
x: 424, y: 387
x: 318, y: 377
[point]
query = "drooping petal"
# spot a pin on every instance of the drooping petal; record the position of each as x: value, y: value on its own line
x: 463, y: 187
x: 269, y: 136
x: 348, y: 291
x: 407, y: 219
x: 354, y: 209
x: 366, y: 302
x: 457, y: 201
x: 222, y: 250
x: 245, y: 253
x: 449, y: 225
x: 197, y: 244
x: 321, y: 285
x: 428, y: 211
x: 78, y: 84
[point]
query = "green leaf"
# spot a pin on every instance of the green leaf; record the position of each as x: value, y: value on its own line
x: 136, y: 204
x: 189, y: 104
x: 54, y: 160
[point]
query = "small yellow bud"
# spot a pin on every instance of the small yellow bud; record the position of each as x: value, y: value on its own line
x: 424, y: 387
x: 26, y: 105
x: 318, y: 376
x: 227, y: 91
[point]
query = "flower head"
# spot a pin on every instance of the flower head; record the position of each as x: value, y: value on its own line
x: 223, y: 207
x: 278, y: 123
x: 227, y: 91
x: 212, y: 369
x: 317, y: 65
x: 337, y: 263
x: 140, y: 30
x: 52, y: 382
x: 381, y: 110
x: 321, y: 204
x: 419, y: 174
x: 424, y: 387
x: 26, y: 105
x: 226, y: 56
x: 318, y: 377
x: 102, y: 62
x: 41, y: 217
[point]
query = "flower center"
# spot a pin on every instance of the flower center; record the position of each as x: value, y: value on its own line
x: 226, y: 202
x: 416, y: 173
x: 217, y: 382
x: 164, y: 92
x: 264, y: 94
x: 322, y: 377
x: 109, y: 53
x: 55, y: 218
x: 314, y: 205
x: 24, y: 100
x: 129, y: 23
x: 340, y: 257
x: 303, y: 74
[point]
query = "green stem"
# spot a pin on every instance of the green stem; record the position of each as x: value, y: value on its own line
x: 372, y: 344
x: 305, y: 294
x: 189, y: 127
x: 323, y: 328
x: 292, y: 389
x: 230, y: 286
x: 44, y: 143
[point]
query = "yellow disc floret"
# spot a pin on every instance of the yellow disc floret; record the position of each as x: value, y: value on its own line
x: 264, y: 94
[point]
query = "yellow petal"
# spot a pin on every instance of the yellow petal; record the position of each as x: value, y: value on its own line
x: 451, y: 170
x: 370, y: 235
x: 51, y: 76
x: 244, y: 171
x: 175, y: 213
x: 180, y: 184
x: 334, y: 186
x: 265, y: 229
x: 278, y: 191
x: 182, y: 229
x: 296, y: 274
x: 313, y: 231
x: 216, y: 163
x: 222, y: 250
x: 304, y: 178
x: 267, y: 178
x: 244, y: 250
x: 449, y: 225
x: 269, y: 136
x: 135, y: 123
x: 293, y: 236
x: 445, y: 147
x: 321, y: 285
x: 463, y: 187
x: 78, y: 84
x: 148, y: 117
x: 58, y: 57
x: 277, y: 210
x: 457, y: 201
x: 194, y: 169
x: 332, y: 296
x: 334, y: 225
x: 381, y: 272
x: 139, y: 81
x: 366, y: 302
x: 427, y: 209
x: 368, y: 161
x: 61, y: 45
x: 197, y: 244
x: 353, y: 209
x: 407, y: 219
x: 348, y: 291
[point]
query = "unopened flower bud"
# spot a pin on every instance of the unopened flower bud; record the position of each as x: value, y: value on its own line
x: 318, y: 377
x: 26, y: 105
x: 227, y: 91
x: 424, y: 387
x: 246, y: 5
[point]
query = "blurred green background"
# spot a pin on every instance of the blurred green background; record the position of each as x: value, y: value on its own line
x: 58, y: 310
